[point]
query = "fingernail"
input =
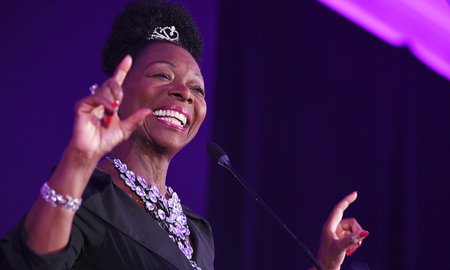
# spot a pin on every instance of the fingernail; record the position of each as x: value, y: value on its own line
x: 115, y: 104
x: 363, y: 234
x: 108, y: 119
x: 351, y: 249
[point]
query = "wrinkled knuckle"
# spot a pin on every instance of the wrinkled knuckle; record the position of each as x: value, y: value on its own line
x: 351, y: 220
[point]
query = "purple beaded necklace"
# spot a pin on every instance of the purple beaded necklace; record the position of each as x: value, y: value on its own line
x: 168, y: 213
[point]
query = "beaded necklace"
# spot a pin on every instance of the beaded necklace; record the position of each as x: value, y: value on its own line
x: 168, y: 213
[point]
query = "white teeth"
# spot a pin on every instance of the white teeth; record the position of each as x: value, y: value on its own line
x: 171, y: 120
x: 173, y: 117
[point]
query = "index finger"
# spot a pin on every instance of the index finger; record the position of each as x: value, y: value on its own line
x: 122, y: 69
x: 338, y: 211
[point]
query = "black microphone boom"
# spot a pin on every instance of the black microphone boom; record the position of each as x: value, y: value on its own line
x: 221, y: 157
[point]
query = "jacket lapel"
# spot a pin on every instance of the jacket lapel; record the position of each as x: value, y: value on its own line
x: 201, y: 236
x: 115, y: 207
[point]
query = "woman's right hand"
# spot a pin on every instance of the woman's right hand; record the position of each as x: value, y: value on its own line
x: 48, y: 228
x: 97, y: 127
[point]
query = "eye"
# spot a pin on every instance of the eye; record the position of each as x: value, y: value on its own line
x: 199, y: 90
x: 162, y: 76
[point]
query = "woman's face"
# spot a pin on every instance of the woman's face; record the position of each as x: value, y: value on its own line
x: 166, y: 79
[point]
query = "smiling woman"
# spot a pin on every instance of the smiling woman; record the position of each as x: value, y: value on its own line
x: 152, y: 57
x: 167, y: 80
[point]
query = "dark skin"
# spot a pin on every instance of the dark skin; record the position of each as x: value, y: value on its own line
x: 164, y: 75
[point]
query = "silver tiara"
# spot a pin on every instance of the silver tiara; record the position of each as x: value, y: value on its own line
x: 165, y: 33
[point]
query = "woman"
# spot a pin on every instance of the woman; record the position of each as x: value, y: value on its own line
x: 152, y: 56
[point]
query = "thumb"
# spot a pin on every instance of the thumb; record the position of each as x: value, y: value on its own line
x: 135, y: 120
x: 352, y: 241
x: 354, y: 238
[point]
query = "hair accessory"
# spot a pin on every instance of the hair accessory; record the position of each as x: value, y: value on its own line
x: 93, y: 88
x: 165, y: 33
x: 168, y: 213
x: 49, y: 195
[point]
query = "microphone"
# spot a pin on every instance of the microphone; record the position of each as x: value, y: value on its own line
x: 222, y: 159
x: 218, y: 154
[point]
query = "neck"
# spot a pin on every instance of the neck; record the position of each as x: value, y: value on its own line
x: 150, y: 165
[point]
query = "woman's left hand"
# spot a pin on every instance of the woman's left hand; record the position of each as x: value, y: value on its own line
x: 339, y: 236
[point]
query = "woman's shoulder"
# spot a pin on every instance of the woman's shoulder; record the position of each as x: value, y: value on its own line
x: 201, y: 224
x: 191, y: 214
x: 202, y: 235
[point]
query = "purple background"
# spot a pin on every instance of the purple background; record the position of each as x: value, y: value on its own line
x: 308, y: 106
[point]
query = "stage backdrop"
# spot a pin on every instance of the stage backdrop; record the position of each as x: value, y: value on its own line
x: 308, y: 106
x: 311, y: 107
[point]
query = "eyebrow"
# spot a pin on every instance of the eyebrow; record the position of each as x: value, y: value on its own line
x: 172, y: 65
x: 198, y: 75
x: 161, y: 61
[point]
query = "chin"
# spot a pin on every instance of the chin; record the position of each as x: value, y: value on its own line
x: 167, y: 146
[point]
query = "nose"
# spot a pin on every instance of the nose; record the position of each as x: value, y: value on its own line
x: 182, y: 93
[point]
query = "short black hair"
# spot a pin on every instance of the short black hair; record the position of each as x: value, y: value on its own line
x: 137, y: 21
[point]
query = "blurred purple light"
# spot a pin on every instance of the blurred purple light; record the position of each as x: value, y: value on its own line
x: 422, y: 25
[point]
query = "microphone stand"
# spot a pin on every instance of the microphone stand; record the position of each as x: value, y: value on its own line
x: 225, y: 162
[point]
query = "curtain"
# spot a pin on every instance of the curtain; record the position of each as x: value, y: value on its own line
x: 310, y: 107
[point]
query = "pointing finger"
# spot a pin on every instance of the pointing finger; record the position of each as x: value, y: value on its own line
x: 122, y: 69
x: 338, y: 211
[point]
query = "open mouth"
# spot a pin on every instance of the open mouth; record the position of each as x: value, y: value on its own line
x: 172, y: 116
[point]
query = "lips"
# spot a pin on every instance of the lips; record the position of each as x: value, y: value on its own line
x: 173, y: 115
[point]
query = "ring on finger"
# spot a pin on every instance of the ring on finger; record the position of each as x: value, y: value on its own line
x: 93, y: 88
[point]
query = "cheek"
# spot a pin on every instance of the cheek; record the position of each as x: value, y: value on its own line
x: 128, y: 106
x: 136, y: 97
x: 130, y: 96
x: 201, y: 112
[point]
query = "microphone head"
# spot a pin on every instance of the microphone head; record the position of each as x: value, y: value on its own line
x: 215, y: 151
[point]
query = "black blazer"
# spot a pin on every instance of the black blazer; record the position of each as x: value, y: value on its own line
x: 111, y: 231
